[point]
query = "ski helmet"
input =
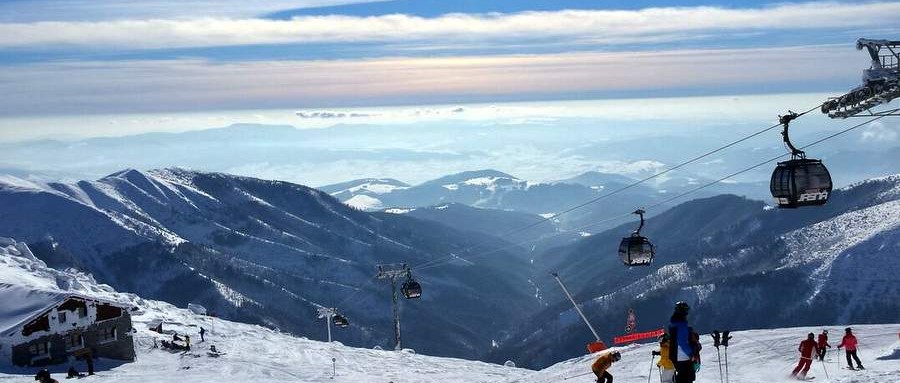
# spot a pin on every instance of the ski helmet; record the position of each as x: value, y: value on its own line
x: 810, y: 336
x: 848, y: 329
x: 682, y: 307
x: 616, y: 356
x: 824, y: 331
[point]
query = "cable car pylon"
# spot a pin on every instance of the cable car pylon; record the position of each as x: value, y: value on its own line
x: 330, y: 315
x: 410, y: 289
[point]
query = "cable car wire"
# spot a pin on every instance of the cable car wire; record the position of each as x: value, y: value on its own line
x: 621, y: 189
x: 660, y: 203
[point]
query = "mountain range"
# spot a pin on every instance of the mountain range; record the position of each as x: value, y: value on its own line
x: 272, y: 252
x: 269, y: 252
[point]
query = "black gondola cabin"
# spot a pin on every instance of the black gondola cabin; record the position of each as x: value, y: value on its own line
x: 800, y: 182
x: 340, y: 320
x: 636, y: 250
x: 411, y: 289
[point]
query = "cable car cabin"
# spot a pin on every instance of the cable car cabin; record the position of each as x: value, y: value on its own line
x: 340, y: 320
x: 636, y: 250
x: 411, y: 289
x: 800, y: 182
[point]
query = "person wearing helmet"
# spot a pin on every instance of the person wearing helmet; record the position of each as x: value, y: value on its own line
x: 806, y: 351
x: 849, y: 341
x: 823, y: 344
x: 666, y: 367
x: 602, y: 364
x: 682, y: 350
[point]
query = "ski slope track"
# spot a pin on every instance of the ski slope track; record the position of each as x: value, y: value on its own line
x: 251, y: 353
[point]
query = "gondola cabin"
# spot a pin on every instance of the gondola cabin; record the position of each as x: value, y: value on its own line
x: 340, y: 321
x: 800, y: 182
x: 411, y: 289
x: 636, y: 250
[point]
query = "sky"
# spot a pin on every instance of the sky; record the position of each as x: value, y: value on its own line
x: 78, y: 57
x: 75, y: 69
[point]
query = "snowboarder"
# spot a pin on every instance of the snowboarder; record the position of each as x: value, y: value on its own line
x: 202, y: 331
x: 602, y: 364
x: 823, y: 344
x: 666, y: 367
x: 187, y: 342
x: 681, y: 346
x: 806, y: 352
x: 849, y: 341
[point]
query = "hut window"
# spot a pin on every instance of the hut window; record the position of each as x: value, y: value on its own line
x: 39, y: 349
x: 107, y: 334
x: 62, y: 316
x: 105, y: 312
x: 82, y: 312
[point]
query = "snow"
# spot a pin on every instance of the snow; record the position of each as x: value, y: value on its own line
x: 364, y: 202
x: 397, y: 210
x: 451, y: 187
x: 376, y: 188
x: 255, y: 354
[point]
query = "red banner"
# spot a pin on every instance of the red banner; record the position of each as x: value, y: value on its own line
x: 637, y: 336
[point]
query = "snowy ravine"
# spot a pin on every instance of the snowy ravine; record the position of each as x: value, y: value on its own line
x: 256, y: 354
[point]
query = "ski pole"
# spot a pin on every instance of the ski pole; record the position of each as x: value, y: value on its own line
x: 719, y: 361
x: 575, y: 376
x: 650, y: 374
x: 333, y: 368
x: 825, y: 369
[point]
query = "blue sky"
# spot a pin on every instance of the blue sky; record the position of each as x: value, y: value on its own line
x: 83, y: 57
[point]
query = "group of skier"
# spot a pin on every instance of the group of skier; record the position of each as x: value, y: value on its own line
x: 819, y: 346
x: 679, y: 351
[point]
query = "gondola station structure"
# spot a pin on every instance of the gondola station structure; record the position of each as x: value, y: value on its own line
x: 48, y: 327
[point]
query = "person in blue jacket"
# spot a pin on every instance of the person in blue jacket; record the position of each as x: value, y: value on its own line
x: 683, y: 350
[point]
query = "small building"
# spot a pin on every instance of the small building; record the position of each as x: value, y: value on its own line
x: 39, y: 327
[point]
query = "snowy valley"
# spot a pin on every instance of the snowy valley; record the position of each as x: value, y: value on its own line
x: 253, y: 353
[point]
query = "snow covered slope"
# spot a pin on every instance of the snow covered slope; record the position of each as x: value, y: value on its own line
x: 266, y: 252
x: 251, y: 353
x: 727, y: 255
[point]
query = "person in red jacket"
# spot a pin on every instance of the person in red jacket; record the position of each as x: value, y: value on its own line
x: 806, y: 352
x: 849, y: 342
x: 823, y: 344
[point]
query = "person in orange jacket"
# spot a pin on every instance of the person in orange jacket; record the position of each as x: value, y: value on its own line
x: 602, y: 364
x: 849, y: 341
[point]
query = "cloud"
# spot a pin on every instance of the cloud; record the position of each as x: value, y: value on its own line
x: 179, y: 85
x: 328, y: 114
x: 59, y: 10
x: 611, y: 27
x: 879, y: 132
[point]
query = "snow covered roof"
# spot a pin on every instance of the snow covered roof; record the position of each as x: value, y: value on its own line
x: 22, y: 304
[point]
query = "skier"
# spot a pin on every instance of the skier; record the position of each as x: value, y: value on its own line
x: 806, y: 352
x: 187, y: 342
x: 602, y: 364
x: 44, y: 377
x: 202, y: 331
x: 666, y: 368
x: 682, y: 351
x: 823, y: 344
x: 849, y: 341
